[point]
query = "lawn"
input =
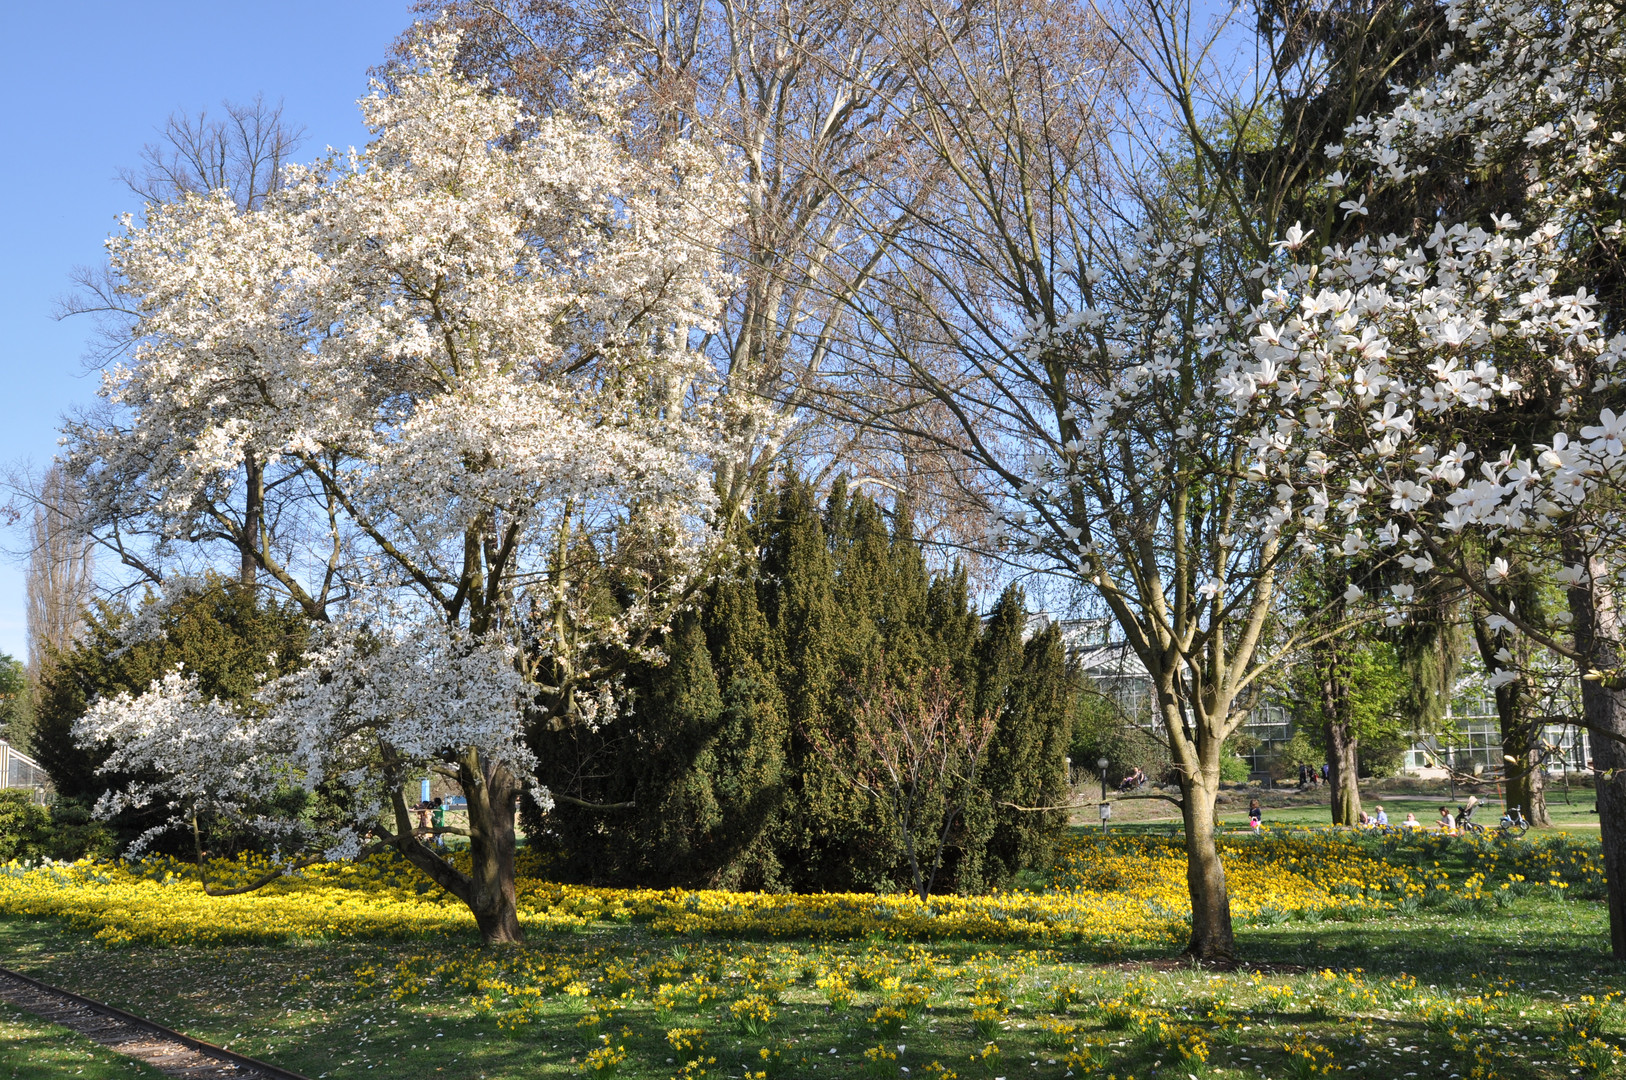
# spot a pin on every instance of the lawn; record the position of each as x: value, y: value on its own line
x: 1382, y: 959
x: 1288, y: 806
x: 31, y: 1049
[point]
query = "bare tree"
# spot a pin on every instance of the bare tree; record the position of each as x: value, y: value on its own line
x: 241, y: 152
x: 810, y: 96
x: 915, y: 751
x: 61, y: 570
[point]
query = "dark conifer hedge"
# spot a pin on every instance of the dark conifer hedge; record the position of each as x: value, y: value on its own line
x: 221, y: 633
x: 724, y: 782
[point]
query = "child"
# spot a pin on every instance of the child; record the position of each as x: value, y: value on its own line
x: 1255, y: 815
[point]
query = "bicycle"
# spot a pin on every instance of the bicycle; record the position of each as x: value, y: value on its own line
x: 1514, y: 822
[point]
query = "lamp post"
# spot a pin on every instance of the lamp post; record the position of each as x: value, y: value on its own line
x: 1102, y: 765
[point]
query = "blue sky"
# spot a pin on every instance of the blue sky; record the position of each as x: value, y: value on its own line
x: 85, y: 85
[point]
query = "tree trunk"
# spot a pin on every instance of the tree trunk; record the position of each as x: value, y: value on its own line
x: 1211, y: 934
x: 1525, y: 787
x: 488, y: 888
x: 253, y: 515
x: 1603, y: 708
x: 1343, y: 767
x: 1526, y: 782
x: 1611, y: 783
x: 492, y: 790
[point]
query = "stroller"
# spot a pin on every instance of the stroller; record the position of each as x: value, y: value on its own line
x: 1465, y: 821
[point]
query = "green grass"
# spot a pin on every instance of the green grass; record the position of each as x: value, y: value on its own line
x: 307, y: 1008
x: 1578, y: 815
x: 31, y: 1049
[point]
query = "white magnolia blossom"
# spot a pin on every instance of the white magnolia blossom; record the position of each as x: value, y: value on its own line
x: 466, y: 361
x: 420, y: 693
x: 1387, y: 341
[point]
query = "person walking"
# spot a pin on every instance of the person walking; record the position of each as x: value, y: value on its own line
x: 438, y: 813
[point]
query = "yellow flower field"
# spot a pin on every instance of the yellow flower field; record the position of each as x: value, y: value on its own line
x: 1108, y: 893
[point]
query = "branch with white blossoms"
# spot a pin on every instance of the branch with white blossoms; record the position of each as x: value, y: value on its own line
x: 1410, y: 343
x: 433, y: 358
x: 205, y: 755
x: 419, y: 696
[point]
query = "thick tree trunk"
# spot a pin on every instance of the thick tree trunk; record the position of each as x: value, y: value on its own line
x: 492, y: 792
x: 1343, y: 765
x: 488, y: 888
x: 1612, y: 824
x: 1526, y: 783
x: 1604, y: 709
x: 1211, y: 934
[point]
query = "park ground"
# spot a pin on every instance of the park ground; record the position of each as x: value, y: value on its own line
x: 1365, y: 957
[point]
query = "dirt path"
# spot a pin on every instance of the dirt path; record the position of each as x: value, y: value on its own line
x: 170, y: 1052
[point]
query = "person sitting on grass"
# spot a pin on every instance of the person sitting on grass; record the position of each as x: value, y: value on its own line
x: 1411, y: 821
x: 1448, y: 824
x: 1379, y: 818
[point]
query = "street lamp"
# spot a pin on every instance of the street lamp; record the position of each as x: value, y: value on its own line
x: 1102, y: 765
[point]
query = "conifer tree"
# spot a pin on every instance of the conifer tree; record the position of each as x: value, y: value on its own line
x: 998, y: 664
x: 716, y: 777
x: 1026, y: 768
x: 220, y: 632
x: 749, y: 781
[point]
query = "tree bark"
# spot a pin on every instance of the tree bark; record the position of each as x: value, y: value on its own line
x: 488, y: 889
x: 1596, y: 629
x: 1520, y: 763
x: 1526, y: 782
x: 492, y: 790
x: 1343, y: 767
x: 253, y: 515
x: 1212, y: 937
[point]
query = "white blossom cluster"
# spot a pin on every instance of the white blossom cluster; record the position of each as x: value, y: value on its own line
x: 453, y: 321
x: 1380, y: 353
x: 1156, y: 357
x: 461, y: 356
x: 414, y: 694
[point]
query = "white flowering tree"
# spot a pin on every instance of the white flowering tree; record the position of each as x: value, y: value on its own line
x: 1464, y: 386
x: 1080, y: 319
x: 461, y: 369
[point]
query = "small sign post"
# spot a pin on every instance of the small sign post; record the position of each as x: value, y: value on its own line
x: 1106, y: 814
